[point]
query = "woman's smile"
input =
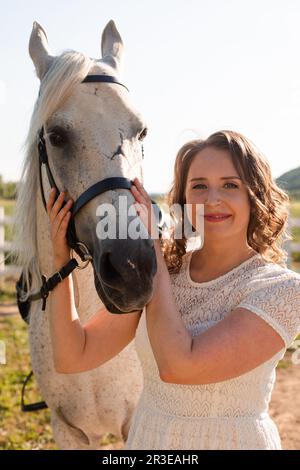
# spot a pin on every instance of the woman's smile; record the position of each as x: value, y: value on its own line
x: 216, y: 217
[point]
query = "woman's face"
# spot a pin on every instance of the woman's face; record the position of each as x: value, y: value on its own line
x: 214, y: 182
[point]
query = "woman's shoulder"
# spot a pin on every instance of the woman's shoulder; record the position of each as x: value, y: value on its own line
x: 273, y: 271
x: 273, y: 293
x: 272, y: 278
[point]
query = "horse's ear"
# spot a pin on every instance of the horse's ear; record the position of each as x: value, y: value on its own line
x: 39, y: 50
x: 112, y: 46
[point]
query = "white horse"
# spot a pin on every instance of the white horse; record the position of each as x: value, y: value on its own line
x: 92, y: 132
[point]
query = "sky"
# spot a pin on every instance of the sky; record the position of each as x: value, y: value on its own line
x: 192, y: 66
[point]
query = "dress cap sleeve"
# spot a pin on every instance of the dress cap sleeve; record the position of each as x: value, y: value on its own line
x: 276, y: 300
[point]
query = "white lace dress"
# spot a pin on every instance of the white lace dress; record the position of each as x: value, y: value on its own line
x: 232, y: 414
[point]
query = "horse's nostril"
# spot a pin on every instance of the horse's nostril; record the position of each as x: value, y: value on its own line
x: 109, y: 273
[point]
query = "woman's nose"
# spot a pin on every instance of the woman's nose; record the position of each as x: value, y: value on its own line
x: 212, y: 196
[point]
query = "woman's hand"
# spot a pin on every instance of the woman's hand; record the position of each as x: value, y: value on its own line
x: 59, y: 219
x: 144, y: 208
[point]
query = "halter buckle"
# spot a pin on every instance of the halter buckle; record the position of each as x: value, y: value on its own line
x: 87, y: 257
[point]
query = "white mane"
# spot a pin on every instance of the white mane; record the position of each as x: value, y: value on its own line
x: 67, y: 70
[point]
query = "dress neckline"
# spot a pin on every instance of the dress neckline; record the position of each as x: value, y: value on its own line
x: 213, y: 281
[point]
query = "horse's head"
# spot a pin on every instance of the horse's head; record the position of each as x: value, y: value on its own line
x: 92, y: 132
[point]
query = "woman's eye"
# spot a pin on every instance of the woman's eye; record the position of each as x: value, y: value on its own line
x: 230, y: 185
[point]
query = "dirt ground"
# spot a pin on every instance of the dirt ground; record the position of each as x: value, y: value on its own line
x: 285, y: 404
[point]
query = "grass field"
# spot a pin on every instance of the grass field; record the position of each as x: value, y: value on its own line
x: 295, y: 209
x: 19, y: 430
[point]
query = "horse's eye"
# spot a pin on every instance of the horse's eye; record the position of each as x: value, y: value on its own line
x: 143, y: 133
x: 58, y: 137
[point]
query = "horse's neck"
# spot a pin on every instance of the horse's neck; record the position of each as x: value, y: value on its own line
x: 86, y: 298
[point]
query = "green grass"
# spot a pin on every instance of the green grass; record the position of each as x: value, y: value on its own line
x: 23, y: 430
x: 296, y: 235
x: 295, y: 209
x: 283, y: 364
x: 295, y: 212
x: 19, y: 430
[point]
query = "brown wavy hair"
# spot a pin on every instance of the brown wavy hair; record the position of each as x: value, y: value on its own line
x: 269, y: 205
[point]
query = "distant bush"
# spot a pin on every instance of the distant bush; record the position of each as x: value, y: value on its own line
x: 294, y: 195
x: 296, y: 257
x: 290, y: 180
x: 7, y: 190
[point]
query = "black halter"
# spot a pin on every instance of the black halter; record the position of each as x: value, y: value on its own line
x: 96, y: 189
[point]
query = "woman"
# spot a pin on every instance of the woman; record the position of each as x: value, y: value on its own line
x: 220, y: 317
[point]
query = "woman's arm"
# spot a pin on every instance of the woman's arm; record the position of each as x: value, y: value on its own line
x: 170, y: 340
x: 66, y: 331
x: 234, y: 346
x: 78, y: 348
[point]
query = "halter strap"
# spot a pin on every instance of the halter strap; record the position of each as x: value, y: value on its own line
x: 115, y: 182
x: 103, y: 79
